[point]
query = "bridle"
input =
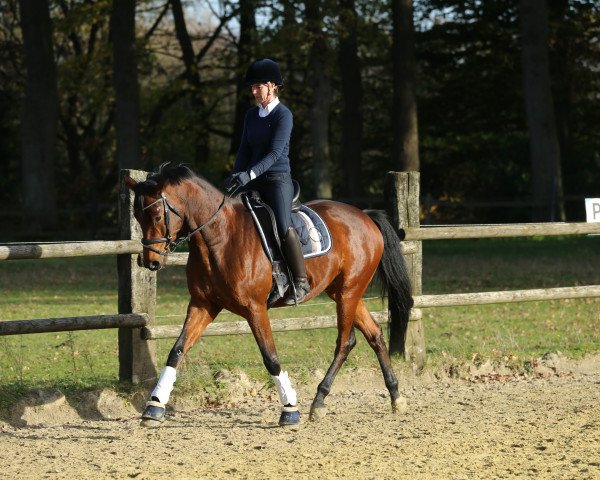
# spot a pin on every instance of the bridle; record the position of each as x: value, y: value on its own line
x: 172, y: 243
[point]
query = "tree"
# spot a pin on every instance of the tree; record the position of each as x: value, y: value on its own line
x: 352, y: 117
x: 86, y: 135
x: 573, y: 32
x: 125, y: 83
x: 539, y: 105
x: 11, y: 93
x: 473, y: 137
x: 471, y: 119
x: 405, y: 151
x: 320, y: 73
x: 246, y: 48
x: 40, y: 117
x: 192, y: 77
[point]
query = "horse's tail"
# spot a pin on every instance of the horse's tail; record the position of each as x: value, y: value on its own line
x: 392, y: 271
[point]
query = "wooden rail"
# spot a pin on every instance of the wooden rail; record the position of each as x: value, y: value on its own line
x: 509, y: 296
x: 381, y: 317
x: 277, y: 325
x: 432, y: 232
x: 94, y: 322
x: 408, y: 248
x: 23, y: 251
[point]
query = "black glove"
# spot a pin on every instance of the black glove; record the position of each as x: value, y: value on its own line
x: 236, y: 181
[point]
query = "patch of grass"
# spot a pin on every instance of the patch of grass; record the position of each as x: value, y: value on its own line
x: 478, y: 265
x: 520, y: 330
x: 515, y: 331
x: 75, y: 361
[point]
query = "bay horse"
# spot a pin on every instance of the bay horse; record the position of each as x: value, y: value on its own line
x: 228, y: 269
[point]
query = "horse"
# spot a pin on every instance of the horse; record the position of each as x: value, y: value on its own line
x: 228, y: 269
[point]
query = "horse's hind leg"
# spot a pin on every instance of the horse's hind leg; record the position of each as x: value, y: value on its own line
x: 372, y: 332
x: 344, y: 344
x: 197, y: 319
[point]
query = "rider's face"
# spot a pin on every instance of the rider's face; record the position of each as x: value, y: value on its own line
x: 263, y: 92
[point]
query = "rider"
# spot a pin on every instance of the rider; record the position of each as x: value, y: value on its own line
x: 262, y: 163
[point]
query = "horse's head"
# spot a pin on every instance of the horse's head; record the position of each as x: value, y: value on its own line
x: 160, y: 213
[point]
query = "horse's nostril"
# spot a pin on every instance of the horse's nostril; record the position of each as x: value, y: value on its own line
x: 154, y: 265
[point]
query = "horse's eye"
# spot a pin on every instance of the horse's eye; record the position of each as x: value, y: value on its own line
x: 157, y: 218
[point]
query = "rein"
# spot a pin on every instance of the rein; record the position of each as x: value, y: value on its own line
x: 172, y: 244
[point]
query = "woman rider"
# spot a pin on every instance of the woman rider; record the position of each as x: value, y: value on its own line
x: 262, y: 163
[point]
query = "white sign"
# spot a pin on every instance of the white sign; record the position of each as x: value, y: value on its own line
x: 592, y: 209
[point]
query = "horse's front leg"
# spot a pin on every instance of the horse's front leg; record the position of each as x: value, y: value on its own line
x: 261, y: 328
x: 198, y: 317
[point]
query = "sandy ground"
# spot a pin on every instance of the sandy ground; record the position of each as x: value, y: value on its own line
x: 490, y: 425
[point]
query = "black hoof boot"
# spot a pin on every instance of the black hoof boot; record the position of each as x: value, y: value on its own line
x: 289, y: 416
x: 154, y: 414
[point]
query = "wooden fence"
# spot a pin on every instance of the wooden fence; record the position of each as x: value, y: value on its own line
x: 135, y: 319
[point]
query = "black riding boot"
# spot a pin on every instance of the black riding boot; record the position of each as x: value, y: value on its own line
x: 290, y: 246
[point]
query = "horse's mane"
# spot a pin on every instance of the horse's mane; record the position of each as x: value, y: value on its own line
x: 171, y: 173
x: 166, y: 173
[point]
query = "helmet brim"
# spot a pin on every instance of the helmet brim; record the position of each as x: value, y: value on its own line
x: 249, y: 83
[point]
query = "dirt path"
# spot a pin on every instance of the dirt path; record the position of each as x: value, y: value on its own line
x: 517, y: 428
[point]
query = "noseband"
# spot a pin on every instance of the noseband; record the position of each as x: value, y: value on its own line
x: 172, y: 243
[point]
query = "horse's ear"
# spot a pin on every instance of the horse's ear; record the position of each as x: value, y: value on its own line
x: 130, y: 182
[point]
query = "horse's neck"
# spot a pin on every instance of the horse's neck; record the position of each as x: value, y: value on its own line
x: 203, y: 202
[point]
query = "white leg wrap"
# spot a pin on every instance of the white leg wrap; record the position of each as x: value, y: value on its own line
x: 163, y: 388
x: 287, y: 394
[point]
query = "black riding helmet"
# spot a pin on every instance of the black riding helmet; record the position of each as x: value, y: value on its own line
x: 263, y: 70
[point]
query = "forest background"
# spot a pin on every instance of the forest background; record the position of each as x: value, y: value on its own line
x: 495, y: 102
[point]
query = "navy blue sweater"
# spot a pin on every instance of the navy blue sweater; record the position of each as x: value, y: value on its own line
x: 265, y: 142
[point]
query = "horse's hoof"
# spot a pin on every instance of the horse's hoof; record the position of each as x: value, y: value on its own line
x: 400, y: 405
x: 148, y: 423
x: 289, y: 416
x: 317, y: 412
x: 154, y: 414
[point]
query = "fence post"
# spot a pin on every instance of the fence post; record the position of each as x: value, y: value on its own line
x: 137, y: 294
x: 401, y: 195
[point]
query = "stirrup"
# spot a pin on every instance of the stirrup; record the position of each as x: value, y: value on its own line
x: 297, y: 293
x: 280, y: 286
x: 273, y: 298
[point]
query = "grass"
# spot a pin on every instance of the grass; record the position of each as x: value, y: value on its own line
x: 75, y: 361
x: 519, y: 331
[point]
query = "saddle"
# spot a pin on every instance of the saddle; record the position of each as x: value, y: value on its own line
x: 315, y: 238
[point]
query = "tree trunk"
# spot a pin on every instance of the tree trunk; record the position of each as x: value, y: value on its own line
x: 405, y: 151
x: 352, y: 116
x: 192, y: 75
x: 320, y: 67
x: 561, y: 71
x: 539, y: 107
x: 245, y: 56
x: 40, y: 117
x: 293, y: 72
x: 125, y: 83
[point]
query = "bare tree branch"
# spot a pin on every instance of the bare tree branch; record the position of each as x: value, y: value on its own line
x: 155, y: 25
